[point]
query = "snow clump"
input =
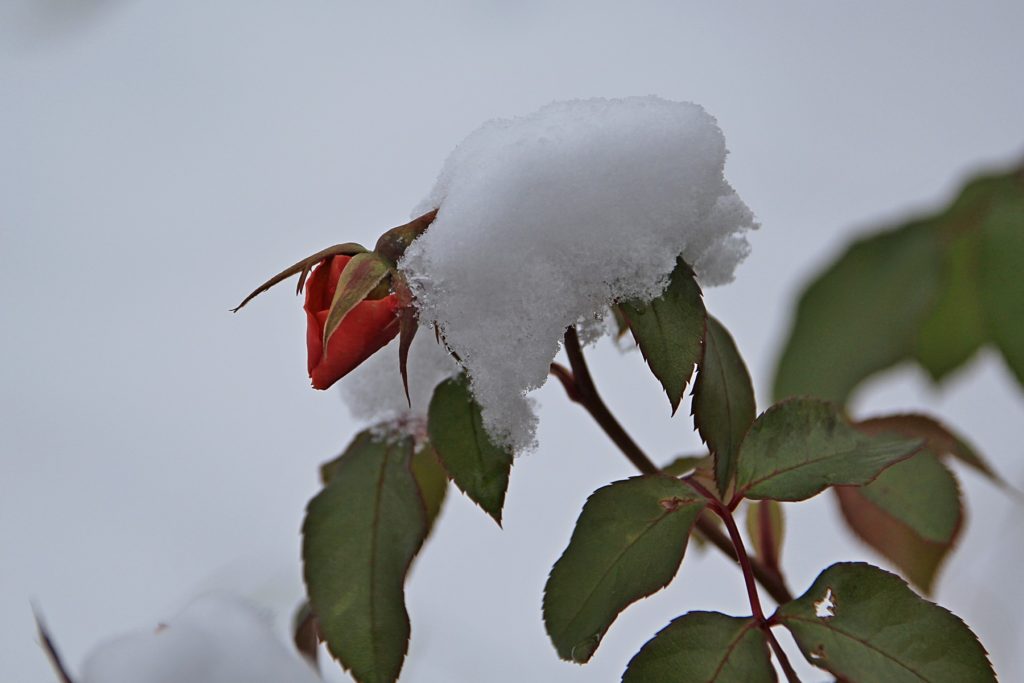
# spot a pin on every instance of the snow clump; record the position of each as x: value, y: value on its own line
x: 548, y: 218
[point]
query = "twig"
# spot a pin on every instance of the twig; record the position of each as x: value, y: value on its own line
x: 51, y: 649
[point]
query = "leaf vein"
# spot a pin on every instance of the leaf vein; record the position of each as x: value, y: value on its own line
x: 865, y: 643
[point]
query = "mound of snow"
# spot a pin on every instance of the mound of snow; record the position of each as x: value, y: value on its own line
x: 214, y: 640
x: 546, y: 219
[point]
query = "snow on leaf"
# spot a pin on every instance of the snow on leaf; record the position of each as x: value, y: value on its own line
x: 547, y: 219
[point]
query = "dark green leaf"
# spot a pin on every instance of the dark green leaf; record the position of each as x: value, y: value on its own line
x: 670, y: 331
x: 361, y: 276
x: 798, y: 447
x: 478, y: 466
x: 864, y: 624
x: 723, y: 400
x: 862, y: 314
x: 359, y: 537
x: 704, y: 646
x: 432, y: 481
x: 911, y: 514
x: 1002, y: 261
x: 628, y: 543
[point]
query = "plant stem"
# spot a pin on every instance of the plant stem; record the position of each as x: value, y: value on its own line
x: 780, y: 655
x: 587, y: 396
x: 737, y: 542
x: 591, y: 400
x: 723, y: 511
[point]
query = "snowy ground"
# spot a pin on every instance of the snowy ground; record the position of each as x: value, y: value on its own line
x: 159, y: 159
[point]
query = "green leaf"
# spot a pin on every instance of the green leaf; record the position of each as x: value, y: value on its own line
x: 934, y: 290
x: 359, y: 537
x: 478, y: 466
x: 938, y: 438
x: 911, y: 514
x: 1002, y: 260
x: 955, y: 328
x: 766, y: 527
x: 798, y: 447
x: 864, y: 624
x: 723, y: 400
x: 704, y: 646
x: 432, y: 481
x: 862, y: 314
x: 361, y: 275
x: 670, y: 330
x: 627, y: 544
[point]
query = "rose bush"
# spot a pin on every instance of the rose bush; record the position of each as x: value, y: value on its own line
x: 365, y: 329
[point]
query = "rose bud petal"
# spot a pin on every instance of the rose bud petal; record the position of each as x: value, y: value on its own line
x: 368, y: 327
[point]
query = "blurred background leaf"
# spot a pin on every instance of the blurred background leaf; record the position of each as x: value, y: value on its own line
x: 932, y: 291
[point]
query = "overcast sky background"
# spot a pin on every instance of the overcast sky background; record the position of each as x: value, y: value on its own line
x: 159, y: 159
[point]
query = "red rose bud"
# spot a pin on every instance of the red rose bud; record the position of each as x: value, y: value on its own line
x: 364, y: 330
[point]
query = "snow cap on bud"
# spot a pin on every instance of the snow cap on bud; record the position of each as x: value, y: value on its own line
x: 546, y: 219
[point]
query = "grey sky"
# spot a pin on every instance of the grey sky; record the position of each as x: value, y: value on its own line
x: 158, y: 159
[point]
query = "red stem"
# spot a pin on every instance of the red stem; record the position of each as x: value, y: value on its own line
x: 744, y: 560
x: 723, y: 511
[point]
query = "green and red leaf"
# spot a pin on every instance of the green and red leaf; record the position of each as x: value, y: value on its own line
x: 797, y: 448
x: 912, y: 514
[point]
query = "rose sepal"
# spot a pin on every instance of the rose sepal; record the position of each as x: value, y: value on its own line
x: 361, y: 276
x: 302, y: 268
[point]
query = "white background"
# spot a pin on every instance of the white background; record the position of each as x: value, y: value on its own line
x: 158, y: 159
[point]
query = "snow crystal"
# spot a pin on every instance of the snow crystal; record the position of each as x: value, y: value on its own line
x: 546, y: 219
x: 214, y: 640
x: 374, y: 392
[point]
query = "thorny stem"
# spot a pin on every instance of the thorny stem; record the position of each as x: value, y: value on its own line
x: 587, y: 396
